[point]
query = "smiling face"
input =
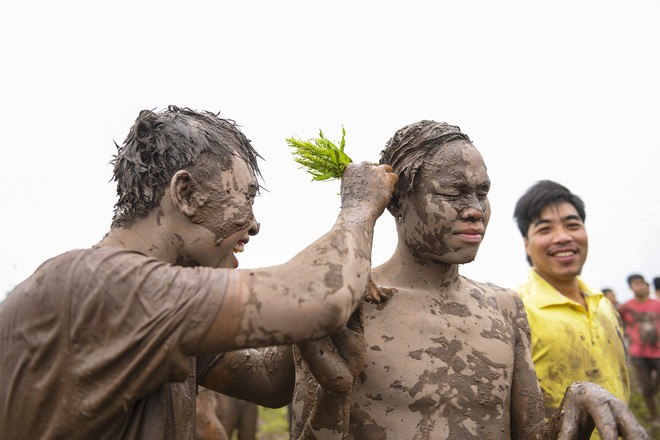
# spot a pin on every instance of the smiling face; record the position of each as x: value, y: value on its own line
x: 225, y: 216
x: 444, y: 219
x: 557, y: 243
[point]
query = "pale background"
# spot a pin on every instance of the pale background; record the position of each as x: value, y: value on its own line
x: 563, y: 90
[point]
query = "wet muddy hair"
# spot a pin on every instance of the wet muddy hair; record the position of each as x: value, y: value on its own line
x: 543, y: 193
x: 161, y: 143
x: 408, y: 148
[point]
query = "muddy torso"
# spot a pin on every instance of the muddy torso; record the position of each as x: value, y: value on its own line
x: 97, y: 344
x: 437, y: 368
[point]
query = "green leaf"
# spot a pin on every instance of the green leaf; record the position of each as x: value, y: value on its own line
x: 320, y: 157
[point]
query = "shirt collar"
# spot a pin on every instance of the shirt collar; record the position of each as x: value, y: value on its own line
x: 545, y: 295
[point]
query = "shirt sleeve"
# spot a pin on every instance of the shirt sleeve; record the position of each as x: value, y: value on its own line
x: 135, y: 323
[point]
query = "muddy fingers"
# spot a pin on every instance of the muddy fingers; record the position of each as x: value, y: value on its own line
x: 327, y: 365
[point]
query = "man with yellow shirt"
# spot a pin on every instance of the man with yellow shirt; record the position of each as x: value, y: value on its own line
x: 576, y: 332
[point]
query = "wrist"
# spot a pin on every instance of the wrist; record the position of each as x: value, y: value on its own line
x: 358, y: 213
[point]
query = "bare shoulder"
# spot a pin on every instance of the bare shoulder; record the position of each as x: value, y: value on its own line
x: 507, y: 300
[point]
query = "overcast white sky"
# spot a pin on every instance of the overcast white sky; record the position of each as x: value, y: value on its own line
x: 564, y: 90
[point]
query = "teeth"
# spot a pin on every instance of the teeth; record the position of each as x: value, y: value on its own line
x: 564, y: 254
x: 240, y: 247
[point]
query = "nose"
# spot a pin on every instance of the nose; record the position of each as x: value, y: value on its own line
x: 254, y: 230
x: 563, y: 236
x: 472, y: 215
x: 474, y: 211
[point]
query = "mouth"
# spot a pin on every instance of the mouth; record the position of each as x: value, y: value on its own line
x: 471, y: 235
x: 564, y: 255
x: 239, y: 247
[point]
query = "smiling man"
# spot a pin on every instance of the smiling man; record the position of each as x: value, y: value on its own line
x: 111, y: 342
x: 576, y: 333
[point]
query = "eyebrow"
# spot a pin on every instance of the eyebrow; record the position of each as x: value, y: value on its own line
x: 541, y: 221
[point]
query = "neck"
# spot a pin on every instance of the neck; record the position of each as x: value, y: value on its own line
x: 570, y: 288
x: 405, y: 270
x: 144, y: 236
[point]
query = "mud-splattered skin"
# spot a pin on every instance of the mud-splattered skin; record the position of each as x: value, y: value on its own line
x: 446, y: 357
x: 451, y: 362
x: 125, y: 336
x: 221, y: 204
x: 449, y: 199
x: 321, y: 286
x: 202, y: 217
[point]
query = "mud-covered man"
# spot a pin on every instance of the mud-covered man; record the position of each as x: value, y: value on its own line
x: 111, y: 342
x: 448, y: 357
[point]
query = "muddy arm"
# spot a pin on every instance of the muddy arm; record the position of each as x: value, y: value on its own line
x: 335, y: 363
x: 313, y: 294
x: 527, y: 412
x: 586, y: 405
x: 264, y: 376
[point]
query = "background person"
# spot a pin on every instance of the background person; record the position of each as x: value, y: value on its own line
x: 656, y: 287
x: 611, y: 296
x: 641, y: 316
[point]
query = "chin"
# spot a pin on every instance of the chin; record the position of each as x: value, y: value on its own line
x: 467, y: 256
x: 228, y: 262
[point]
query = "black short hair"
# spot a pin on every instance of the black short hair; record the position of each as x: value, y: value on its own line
x: 544, y: 193
x: 656, y: 283
x: 634, y: 277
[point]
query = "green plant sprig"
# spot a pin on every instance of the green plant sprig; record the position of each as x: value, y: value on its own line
x: 320, y: 157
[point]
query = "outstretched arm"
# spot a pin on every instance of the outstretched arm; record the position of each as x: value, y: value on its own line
x: 315, y: 293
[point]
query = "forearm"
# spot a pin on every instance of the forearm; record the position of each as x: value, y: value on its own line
x: 341, y: 261
x: 324, y: 284
x: 335, y: 362
x: 265, y: 376
x: 329, y: 419
x: 527, y: 409
x: 313, y: 294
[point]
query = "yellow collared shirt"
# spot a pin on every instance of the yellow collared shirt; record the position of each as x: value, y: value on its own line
x: 572, y: 344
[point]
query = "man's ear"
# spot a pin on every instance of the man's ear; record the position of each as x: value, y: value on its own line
x: 526, y: 242
x: 182, y: 188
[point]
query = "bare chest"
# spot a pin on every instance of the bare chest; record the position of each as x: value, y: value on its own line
x: 429, y: 362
